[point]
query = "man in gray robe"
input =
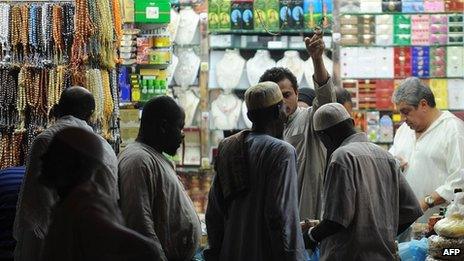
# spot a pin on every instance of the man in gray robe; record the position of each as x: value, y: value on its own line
x: 252, y: 211
x: 153, y: 200
x: 299, y: 130
x: 35, y: 201
x: 367, y: 201
x: 86, y: 223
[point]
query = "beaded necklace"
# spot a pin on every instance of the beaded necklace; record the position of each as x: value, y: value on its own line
x: 4, y: 26
x: 117, y: 23
x: 57, y: 29
x: 25, y: 28
x: 68, y: 27
x: 108, y: 106
x: 84, y: 28
x: 15, y: 32
x: 32, y: 25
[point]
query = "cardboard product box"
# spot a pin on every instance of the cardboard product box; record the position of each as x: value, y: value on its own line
x: 224, y: 14
x: 455, y: 94
x: 402, y: 39
x: 151, y: 11
x: 433, y: 6
x: 236, y: 18
x: 402, y: 29
x: 455, y: 61
x: 383, y: 39
x: 367, y: 39
x: 285, y: 14
x: 372, y: 125
x: 297, y: 17
x: 440, y: 39
x: 374, y: 6
x: 401, y: 19
x: 456, y: 18
x: 260, y: 15
x: 391, y: 6
x: 439, y: 88
x: 213, y: 15
x: 420, y: 51
x: 455, y: 38
x: 349, y: 29
x: 413, y: 7
x: 438, y: 19
x: 128, y: 11
x: 352, y: 87
x: 272, y: 14
x: 247, y: 15
x: 454, y: 5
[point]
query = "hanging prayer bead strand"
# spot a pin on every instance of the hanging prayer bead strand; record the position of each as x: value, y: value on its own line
x: 4, y: 27
x: 25, y: 28
x: 57, y: 29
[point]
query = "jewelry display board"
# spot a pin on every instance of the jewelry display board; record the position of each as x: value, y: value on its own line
x: 45, y: 47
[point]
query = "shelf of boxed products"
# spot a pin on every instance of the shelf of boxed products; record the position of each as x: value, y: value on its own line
x: 270, y: 32
x: 402, y: 29
x: 400, y: 13
x: 376, y: 94
x: 432, y: 62
x: 197, y: 183
x: 249, y: 42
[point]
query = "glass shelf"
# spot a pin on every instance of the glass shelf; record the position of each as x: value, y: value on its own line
x: 397, y: 78
x: 258, y: 48
x: 402, y: 13
x: 400, y: 45
x: 263, y: 32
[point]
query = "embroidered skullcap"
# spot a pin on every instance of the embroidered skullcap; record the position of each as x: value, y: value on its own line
x: 263, y: 95
x: 329, y: 115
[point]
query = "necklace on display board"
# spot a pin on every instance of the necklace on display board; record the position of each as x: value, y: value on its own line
x: 225, y: 111
x: 229, y: 70
x: 172, y: 68
x: 173, y: 26
x: 188, y: 25
x: 187, y: 69
x: 189, y: 102
x: 293, y: 62
x: 257, y: 65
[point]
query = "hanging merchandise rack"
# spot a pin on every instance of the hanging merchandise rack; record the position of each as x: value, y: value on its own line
x: 45, y: 47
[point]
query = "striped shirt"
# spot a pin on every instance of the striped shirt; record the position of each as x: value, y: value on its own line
x: 10, y: 182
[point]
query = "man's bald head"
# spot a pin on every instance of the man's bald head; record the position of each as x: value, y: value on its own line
x: 76, y: 101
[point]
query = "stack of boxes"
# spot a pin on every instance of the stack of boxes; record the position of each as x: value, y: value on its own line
x: 438, y: 61
x: 128, y: 49
x: 384, y: 30
x: 402, y: 29
x: 402, y: 62
x: 456, y: 28
x: 420, y: 61
x: 434, y: 6
x: 413, y: 6
x: 455, y: 61
x: 383, y: 93
x: 366, y: 94
x: 438, y: 29
x: 392, y: 6
x: 371, y: 6
x: 454, y: 5
x: 420, y: 29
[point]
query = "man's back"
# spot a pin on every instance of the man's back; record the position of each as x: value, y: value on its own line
x: 263, y: 224
x: 365, y: 192
x: 35, y: 200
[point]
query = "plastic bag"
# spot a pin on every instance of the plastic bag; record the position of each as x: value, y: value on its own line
x: 314, y: 256
x: 414, y: 250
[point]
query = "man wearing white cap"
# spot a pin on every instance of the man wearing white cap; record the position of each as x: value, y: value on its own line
x: 367, y: 202
x: 299, y: 131
x: 252, y: 211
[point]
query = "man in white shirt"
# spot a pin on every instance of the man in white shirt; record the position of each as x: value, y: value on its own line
x: 429, y: 145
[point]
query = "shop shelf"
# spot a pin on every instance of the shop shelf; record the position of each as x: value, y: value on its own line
x: 263, y: 32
